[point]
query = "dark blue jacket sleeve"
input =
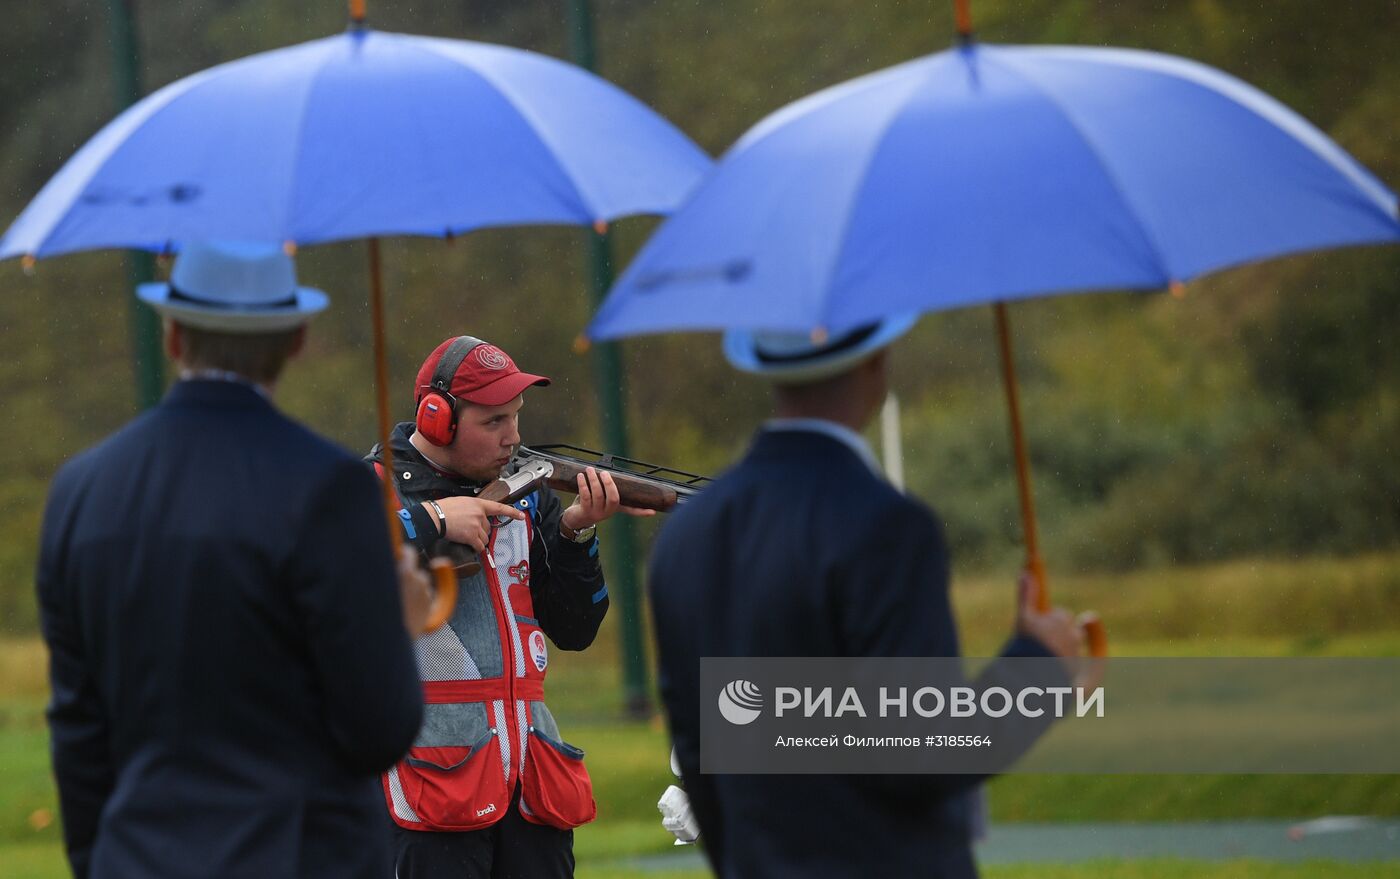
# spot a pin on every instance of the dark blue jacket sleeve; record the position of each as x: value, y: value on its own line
x: 346, y: 587
x: 78, y: 728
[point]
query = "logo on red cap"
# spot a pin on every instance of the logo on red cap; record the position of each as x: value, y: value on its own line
x: 491, y: 357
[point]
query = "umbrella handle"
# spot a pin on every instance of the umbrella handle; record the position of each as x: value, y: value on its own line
x: 444, y: 593
x: 1089, y: 622
x: 1094, y: 634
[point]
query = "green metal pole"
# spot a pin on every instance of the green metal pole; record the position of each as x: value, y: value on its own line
x: 607, y: 369
x: 146, y: 362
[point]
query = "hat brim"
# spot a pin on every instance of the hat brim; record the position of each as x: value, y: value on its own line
x: 742, y: 353
x: 309, y: 301
x: 503, y: 390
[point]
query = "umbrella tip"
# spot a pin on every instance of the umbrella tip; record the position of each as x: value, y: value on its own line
x: 26, y: 264
x: 819, y: 336
x: 581, y: 344
x: 289, y: 248
x: 962, y: 14
x: 1177, y: 289
x: 600, y: 226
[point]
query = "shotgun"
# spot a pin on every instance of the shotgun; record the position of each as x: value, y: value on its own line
x: 648, y: 486
x: 639, y: 484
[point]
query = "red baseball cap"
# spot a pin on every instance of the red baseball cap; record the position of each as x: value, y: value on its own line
x: 487, y: 376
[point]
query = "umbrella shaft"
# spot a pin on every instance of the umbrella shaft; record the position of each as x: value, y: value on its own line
x: 1034, y: 564
x: 381, y: 391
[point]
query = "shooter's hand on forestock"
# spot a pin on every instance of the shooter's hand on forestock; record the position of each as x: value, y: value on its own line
x: 1059, y: 631
x: 598, y: 500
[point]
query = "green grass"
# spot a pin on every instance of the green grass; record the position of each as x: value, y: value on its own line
x: 33, y: 860
x: 1145, y: 869
x: 1240, y: 608
x: 1173, y: 869
x: 611, y: 871
x: 1074, y: 798
x: 28, y: 803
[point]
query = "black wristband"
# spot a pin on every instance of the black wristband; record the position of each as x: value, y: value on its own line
x: 441, y: 518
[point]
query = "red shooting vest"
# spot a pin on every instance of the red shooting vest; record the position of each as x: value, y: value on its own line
x: 486, y: 728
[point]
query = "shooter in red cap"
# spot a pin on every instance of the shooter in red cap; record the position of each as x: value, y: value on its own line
x: 490, y: 788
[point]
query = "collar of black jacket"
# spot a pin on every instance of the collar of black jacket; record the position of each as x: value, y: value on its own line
x: 413, y: 472
x: 212, y: 392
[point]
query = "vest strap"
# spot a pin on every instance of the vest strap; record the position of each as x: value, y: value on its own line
x: 444, y: 692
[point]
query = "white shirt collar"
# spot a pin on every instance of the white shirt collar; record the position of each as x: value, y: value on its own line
x: 222, y: 375
x: 839, y: 432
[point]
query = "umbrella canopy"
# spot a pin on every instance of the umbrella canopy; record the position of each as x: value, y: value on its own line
x: 360, y: 134
x: 994, y: 173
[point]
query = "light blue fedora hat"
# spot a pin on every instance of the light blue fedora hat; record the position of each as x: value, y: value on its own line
x: 793, y: 358
x: 234, y: 287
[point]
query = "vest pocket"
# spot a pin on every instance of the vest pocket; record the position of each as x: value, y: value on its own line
x: 456, y: 788
x: 555, y: 789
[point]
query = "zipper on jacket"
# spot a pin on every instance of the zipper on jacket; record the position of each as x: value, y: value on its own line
x: 508, y: 667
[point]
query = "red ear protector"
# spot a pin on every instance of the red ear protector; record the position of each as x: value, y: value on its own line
x: 437, y: 408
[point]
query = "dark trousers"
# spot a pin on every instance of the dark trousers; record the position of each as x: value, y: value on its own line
x: 512, y: 848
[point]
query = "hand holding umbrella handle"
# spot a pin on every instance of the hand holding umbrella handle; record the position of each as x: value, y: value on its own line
x: 1095, y: 635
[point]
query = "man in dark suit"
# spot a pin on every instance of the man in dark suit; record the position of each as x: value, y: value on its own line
x: 230, y: 657
x: 803, y: 550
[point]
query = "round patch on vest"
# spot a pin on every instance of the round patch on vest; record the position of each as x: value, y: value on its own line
x: 537, y: 650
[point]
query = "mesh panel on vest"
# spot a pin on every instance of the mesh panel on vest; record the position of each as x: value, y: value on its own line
x: 442, y: 657
x: 452, y: 725
x: 474, y: 620
x: 524, y: 731
x: 543, y: 721
x: 504, y: 737
x: 401, y: 806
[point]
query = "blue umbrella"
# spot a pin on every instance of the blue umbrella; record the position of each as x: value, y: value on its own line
x: 356, y: 135
x: 993, y: 173
x: 360, y: 134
